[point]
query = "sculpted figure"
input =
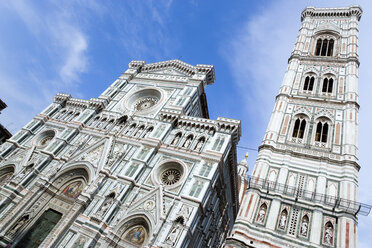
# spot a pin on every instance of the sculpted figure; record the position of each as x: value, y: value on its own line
x: 283, y: 220
x: 261, y: 215
x: 328, y: 235
x: 106, y: 205
x: 19, y: 224
x: 199, y: 145
x: 175, y: 140
x: 304, y: 228
x: 187, y: 143
x: 173, y: 234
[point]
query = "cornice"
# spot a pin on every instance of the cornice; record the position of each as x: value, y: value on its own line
x: 313, y: 101
x: 310, y: 156
x: 332, y: 13
x: 187, y: 69
x: 325, y: 60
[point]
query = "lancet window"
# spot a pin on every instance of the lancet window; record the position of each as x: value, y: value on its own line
x: 218, y: 143
x: 327, y: 85
x: 321, y: 134
x: 309, y: 83
x: 324, y: 47
x: 299, y: 128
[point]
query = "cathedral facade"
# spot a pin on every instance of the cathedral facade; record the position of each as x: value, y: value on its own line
x: 303, y: 189
x: 142, y: 165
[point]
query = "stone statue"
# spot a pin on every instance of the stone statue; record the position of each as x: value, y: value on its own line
x: 79, y: 243
x: 199, y: 145
x: 173, y: 234
x: 187, y: 143
x: 139, y: 131
x: 106, y: 205
x: 20, y: 224
x: 261, y: 215
x: 304, y: 228
x: 328, y: 235
x: 283, y: 220
x: 175, y: 140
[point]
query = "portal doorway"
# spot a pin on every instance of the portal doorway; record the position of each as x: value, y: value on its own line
x: 40, y: 230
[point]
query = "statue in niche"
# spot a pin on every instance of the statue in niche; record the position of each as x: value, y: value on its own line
x: 200, y: 145
x: 261, y: 215
x: 173, y: 234
x: 283, y: 220
x: 176, y: 139
x: 187, y: 142
x: 328, y: 236
x: 105, y: 206
x: 304, y: 228
x: 20, y: 223
x: 139, y: 131
x: 79, y: 243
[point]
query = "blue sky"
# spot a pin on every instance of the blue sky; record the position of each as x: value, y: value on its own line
x: 81, y: 47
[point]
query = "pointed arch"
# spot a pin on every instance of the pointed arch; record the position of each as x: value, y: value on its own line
x: 6, y: 172
x: 82, y: 169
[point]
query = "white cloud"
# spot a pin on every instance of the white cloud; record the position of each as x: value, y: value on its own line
x: 257, y: 53
x: 64, y: 46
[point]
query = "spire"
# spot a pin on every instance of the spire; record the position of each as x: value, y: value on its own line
x: 243, y: 166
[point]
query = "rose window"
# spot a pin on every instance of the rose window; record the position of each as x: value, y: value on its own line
x: 170, y: 176
x: 45, y: 140
x: 144, y: 100
x: 145, y: 103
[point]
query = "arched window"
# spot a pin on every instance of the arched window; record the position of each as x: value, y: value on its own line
x: 148, y: 131
x: 309, y: 83
x: 299, y: 128
x: 327, y: 85
x: 218, y: 143
x: 188, y: 141
x: 196, y: 189
x: 176, y: 138
x: 321, y: 134
x: 324, y: 47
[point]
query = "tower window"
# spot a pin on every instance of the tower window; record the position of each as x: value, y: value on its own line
x: 299, y: 128
x: 309, y: 83
x: 321, y: 132
x: 327, y: 85
x: 324, y: 47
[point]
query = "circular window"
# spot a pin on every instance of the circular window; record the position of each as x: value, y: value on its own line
x: 145, y: 103
x: 170, y: 176
x: 143, y: 100
x: 170, y: 173
x: 45, y: 137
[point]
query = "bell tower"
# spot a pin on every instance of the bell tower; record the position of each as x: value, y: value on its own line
x: 303, y: 189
